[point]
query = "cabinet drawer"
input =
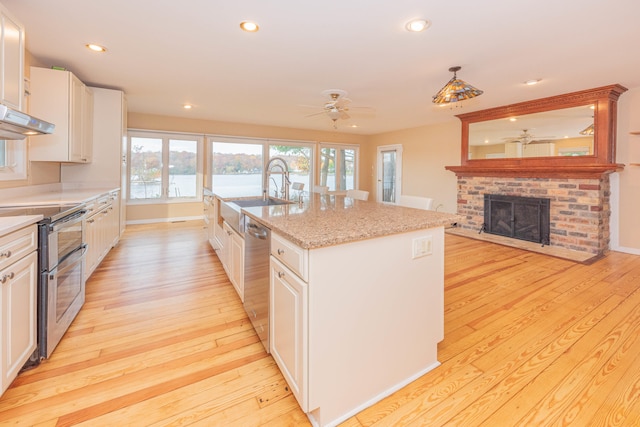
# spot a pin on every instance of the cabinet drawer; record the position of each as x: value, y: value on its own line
x: 291, y: 255
x: 18, y: 244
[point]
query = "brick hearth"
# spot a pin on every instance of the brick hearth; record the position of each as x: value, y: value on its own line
x: 580, y: 207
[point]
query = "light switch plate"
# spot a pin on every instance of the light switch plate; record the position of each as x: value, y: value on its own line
x: 422, y: 246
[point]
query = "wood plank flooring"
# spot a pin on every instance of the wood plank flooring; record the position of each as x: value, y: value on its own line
x: 163, y: 340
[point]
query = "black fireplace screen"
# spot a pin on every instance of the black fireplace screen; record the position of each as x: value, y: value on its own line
x: 525, y: 218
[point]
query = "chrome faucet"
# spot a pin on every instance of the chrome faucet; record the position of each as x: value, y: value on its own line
x: 284, y: 171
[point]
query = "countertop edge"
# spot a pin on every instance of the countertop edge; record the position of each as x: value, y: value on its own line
x: 9, y: 224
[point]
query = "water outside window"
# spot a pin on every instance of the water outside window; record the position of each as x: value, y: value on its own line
x: 237, y: 167
x: 183, y: 164
x: 146, y: 168
x: 163, y: 168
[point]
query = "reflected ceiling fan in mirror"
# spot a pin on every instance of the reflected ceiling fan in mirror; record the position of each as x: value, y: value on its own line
x: 527, y: 138
x: 337, y: 106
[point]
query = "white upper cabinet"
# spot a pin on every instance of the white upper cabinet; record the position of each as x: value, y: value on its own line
x: 61, y: 98
x: 11, y: 60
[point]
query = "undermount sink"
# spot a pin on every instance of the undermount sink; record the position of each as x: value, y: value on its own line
x: 247, y: 203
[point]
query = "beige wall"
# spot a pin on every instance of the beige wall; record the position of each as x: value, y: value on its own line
x: 628, y: 151
x: 425, y: 152
x: 211, y: 127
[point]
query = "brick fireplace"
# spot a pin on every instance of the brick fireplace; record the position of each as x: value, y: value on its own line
x: 579, y: 207
x: 577, y: 186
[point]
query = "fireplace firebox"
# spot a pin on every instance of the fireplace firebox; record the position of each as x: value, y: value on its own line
x: 525, y: 218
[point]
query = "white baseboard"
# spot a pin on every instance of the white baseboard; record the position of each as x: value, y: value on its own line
x: 156, y: 220
x: 632, y: 251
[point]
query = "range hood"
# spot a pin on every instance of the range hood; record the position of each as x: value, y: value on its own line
x: 18, y: 125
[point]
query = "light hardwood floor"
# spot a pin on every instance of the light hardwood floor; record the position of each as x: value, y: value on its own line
x: 163, y: 340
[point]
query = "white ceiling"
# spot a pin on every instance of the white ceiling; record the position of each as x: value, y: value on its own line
x: 164, y: 54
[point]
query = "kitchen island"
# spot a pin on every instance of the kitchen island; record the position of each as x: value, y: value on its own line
x: 356, y: 299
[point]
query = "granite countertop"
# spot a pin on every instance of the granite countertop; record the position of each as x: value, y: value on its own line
x: 10, y: 224
x: 326, y: 220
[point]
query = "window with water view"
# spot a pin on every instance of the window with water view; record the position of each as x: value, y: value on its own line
x: 164, y: 167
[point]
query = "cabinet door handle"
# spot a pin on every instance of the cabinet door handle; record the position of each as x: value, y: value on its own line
x: 7, y: 277
x: 6, y: 254
x: 281, y: 274
x: 280, y: 251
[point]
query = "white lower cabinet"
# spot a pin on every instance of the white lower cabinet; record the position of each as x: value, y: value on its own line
x: 102, y: 229
x: 232, y: 257
x: 18, y: 277
x: 289, y: 328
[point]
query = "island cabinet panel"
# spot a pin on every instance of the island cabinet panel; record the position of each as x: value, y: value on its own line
x: 231, y: 256
x: 365, y: 324
x: 291, y: 255
x: 289, y: 338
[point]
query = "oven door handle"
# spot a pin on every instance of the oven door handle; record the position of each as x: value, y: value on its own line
x: 64, y: 221
x: 62, y: 268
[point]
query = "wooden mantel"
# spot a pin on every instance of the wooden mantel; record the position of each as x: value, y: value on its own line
x: 529, y: 171
x: 602, y: 162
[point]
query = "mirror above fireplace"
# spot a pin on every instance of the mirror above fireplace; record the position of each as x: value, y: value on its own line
x: 571, y: 135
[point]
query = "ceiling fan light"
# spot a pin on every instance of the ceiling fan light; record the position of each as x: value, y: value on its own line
x: 334, y: 114
x: 456, y: 90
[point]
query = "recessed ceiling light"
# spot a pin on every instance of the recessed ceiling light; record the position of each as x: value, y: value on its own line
x: 96, y: 47
x: 532, y: 82
x: 187, y: 106
x: 354, y: 126
x: 417, y: 25
x: 249, y: 26
x: 512, y: 119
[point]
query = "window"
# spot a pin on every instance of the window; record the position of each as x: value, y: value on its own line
x: 13, y: 160
x: 237, y: 164
x: 164, y: 167
x: 299, y: 158
x: 338, y: 167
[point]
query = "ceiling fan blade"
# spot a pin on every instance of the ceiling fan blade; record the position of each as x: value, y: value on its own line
x: 315, y: 114
x: 342, y: 102
x: 344, y: 115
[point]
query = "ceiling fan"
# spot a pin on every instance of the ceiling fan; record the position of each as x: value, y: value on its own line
x: 336, y: 106
x: 526, y: 138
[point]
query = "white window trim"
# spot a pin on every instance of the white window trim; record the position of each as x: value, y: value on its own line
x: 356, y: 172
x: 16, y: 168
x: 166, y: 135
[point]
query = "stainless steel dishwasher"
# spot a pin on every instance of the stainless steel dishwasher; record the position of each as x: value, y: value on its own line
x: 257, y: 242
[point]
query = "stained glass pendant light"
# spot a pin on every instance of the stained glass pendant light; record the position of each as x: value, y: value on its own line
x: 588, y: 130
x: 455, y: 90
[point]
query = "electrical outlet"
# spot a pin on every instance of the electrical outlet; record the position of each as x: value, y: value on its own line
x: 422, y: 246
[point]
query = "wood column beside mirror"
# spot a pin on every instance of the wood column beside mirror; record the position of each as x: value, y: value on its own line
x: 538, y: 127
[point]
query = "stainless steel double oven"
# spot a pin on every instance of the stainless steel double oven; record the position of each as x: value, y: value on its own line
x: 61, y: 284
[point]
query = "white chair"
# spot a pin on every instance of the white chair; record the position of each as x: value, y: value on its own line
x: 322, y: 189
x: 416, y: 202
x: 358, y: 194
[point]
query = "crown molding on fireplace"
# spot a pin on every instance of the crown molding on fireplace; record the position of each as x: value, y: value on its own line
x: 602, y: 161
x: 543, y: 171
